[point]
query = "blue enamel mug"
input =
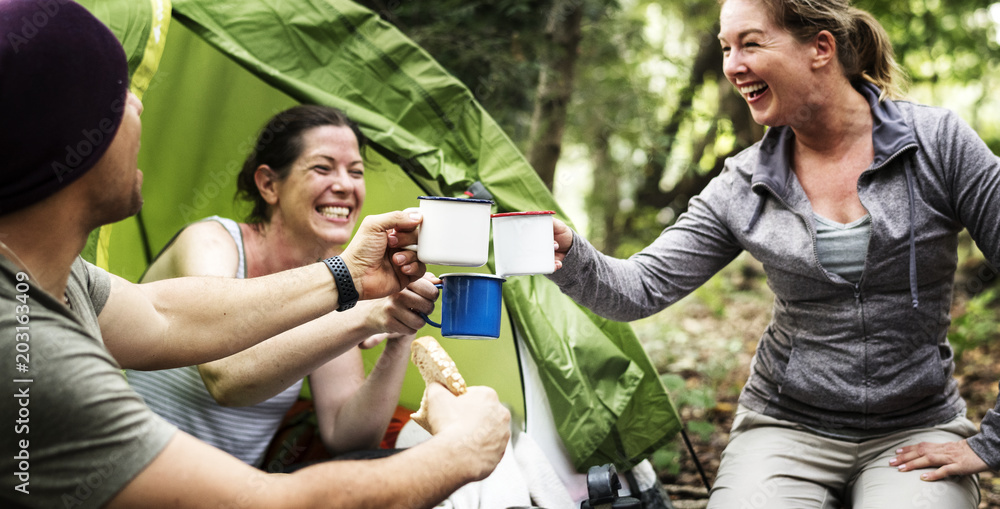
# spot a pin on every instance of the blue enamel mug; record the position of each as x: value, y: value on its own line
x: 470, y: 306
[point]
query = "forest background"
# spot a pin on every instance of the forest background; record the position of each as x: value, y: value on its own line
x: 622, y: 108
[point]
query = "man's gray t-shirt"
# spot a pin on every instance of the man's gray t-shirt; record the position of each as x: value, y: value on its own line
x: 78, y: 432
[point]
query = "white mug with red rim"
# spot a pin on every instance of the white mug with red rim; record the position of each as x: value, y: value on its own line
x: 523, y: 243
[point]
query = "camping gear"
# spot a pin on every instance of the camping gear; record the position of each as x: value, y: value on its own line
x: 595, y: 397
x: 470, y: 306
x: 523, y: 243
x: 603, y: 485
x: 454, y: 231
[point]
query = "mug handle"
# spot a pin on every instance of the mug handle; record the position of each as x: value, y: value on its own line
x: 425, y: 317
x: 429, y: 321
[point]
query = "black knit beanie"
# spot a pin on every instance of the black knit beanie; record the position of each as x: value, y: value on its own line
x: 63, y: 85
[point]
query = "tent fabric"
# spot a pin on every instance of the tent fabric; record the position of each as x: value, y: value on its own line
x: 141, y: 27
x: 607, y: 399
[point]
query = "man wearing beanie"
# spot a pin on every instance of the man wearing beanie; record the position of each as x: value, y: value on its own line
x: 69, y: 140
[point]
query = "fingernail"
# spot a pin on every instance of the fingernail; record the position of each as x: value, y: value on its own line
x: 893, y: 461
x: 899, y: 451
x: 399, y: 258
x: 901, y: 467
x: 415, y: 215
x: 923, y: 476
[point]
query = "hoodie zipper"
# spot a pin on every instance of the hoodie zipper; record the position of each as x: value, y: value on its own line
x: 859, y: 300
x: 856, y: 287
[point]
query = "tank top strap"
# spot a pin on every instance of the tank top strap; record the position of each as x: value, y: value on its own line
x: 234, y: 230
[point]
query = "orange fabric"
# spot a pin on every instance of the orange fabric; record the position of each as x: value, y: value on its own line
x: 298, y: 439
x: 399, y: 418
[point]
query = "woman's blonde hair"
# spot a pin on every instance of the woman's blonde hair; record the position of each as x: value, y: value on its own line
x: 863, y: 46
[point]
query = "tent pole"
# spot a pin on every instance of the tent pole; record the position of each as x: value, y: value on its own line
x: 145, y: 238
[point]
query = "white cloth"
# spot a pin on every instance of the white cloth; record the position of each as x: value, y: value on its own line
x: 524, y: 477
x: 544, y: 485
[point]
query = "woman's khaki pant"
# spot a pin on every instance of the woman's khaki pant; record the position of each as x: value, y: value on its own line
x: 775, y: 464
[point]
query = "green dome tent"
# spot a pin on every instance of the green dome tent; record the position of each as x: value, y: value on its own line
x: 228, y: 66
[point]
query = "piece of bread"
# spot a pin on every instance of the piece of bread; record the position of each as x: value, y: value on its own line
x: 435, y: 365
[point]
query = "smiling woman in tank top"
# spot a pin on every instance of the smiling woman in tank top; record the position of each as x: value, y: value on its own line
x: 305, y: 183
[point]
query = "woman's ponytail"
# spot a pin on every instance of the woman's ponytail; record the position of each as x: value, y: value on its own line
x: 872, y: 55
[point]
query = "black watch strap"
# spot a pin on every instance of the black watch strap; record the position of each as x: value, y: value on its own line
x: 345, y: 284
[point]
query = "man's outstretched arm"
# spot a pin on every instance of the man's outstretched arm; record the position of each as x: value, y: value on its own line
x: 470, y: 433
x: 186, y: 321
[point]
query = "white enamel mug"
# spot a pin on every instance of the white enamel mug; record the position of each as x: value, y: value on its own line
x: 454, y: 231
x: 523, y: 243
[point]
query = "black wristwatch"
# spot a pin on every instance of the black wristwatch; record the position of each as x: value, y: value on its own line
x: 345, y: 284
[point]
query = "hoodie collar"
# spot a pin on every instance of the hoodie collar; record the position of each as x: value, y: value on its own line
x: 890, y: 135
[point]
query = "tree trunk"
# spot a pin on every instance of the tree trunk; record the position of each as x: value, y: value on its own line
x: 731, y: 106
x: 555, y: 86
x: 709, y: 58
x: 602, y: 207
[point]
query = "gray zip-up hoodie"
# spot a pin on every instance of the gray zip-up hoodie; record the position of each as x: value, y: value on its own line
x: 869, y: 356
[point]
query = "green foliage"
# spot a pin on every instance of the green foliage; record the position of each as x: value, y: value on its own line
x: 490, y: 46
x: 693, y: 401
x: 714, y: 294
x: 699, y: 398
x: 646, y: 226
x: 667, y: 459
x: 978, y: 325
x: 939, y: 40
x: 702, y: 429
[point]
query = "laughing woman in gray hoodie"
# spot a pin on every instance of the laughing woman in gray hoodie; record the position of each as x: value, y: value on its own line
x: 853, y: 202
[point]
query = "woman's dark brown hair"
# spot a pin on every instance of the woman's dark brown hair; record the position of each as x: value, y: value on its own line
x: 279, y: 144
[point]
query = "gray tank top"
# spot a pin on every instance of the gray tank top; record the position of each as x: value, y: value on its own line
x: 180, y: 397
x: 841, y: 248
